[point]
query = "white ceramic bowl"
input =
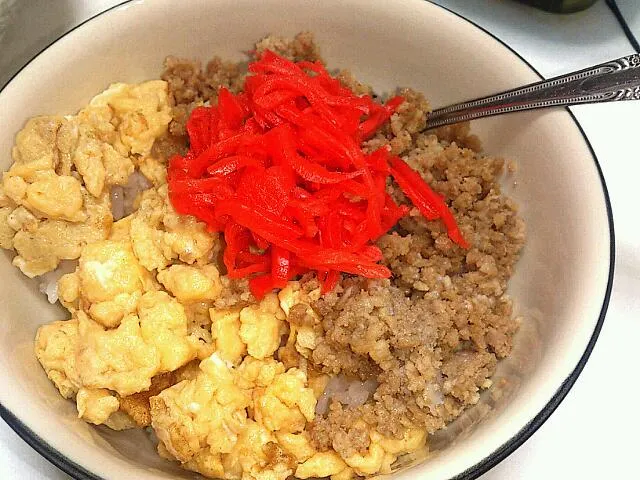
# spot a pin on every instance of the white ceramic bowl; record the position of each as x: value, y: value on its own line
x: 562, y: 282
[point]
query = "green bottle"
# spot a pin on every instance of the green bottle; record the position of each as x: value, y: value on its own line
x: 560, y: 6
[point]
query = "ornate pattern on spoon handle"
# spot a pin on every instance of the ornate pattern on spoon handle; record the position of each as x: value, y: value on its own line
x: 611, y: 81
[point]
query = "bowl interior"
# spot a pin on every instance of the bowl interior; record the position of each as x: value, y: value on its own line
x: 560, y: 282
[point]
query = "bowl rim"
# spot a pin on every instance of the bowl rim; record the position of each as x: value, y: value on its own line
x: 80, y: 473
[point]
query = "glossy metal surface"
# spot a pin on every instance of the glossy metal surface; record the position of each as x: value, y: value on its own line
x: 608, y: 82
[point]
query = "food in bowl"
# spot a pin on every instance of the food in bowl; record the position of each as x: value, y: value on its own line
x: 239, y: 376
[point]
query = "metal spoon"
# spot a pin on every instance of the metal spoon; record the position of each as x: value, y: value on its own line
x: 608, y: 82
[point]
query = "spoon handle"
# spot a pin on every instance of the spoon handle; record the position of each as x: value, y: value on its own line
x: 608, y: 82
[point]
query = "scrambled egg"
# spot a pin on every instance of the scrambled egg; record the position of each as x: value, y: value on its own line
x: 379, y: 457
x: 261, y: 326
x: 125, y: 359
x: 322, y: 464
x: 226, y: 390
x: 303, y: 336
x: 286, y: 404
x: 203, y: 423
x: 209, y: 411
x: 225, y: 331
x: 42, y: 243
x: 141, y: 112
x: 159, y: 235
x: 81, y: 353
x: 55, y: 196
x: 199, y: 327
x: 96, y: 405
x: 107, y: 284
x: 56, y: 348
x: 192, y: 284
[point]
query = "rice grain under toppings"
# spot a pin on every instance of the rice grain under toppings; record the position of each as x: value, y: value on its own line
x: 48, y: 283
x: 123, y: 198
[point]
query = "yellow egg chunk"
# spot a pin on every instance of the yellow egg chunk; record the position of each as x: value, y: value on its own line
x: 306, y: 340
x: 55, y: 348
x: 56, y: 197
x: 69, y: 291
x: 254, y: 373
x: 159, y: 235
x: 21, y: 219
x: 142, y: 111
x: 387, y: 462
x: 207, y: 412
x: 117, y: 359
x: 126, y: 358
x: 287, y: 403
x: 191, y: 284
x: 42, y: 244
x: 322, y: 464
x: 117, y: 168
x: 262, y: 326
x: 108, y: 269
x: 346, y: 474
x: 96, y: 406
x: 412, y: 439
x: 36, y: 147
x: 292, y: 295
x: 120, y: 229
x: 225, y: 330
x: 88, y: 160
x: 107, y: 284
x: 297, y: 445
x: 154, y: 170
x: 258, y: 456
x: 208, y: 464
x: 14, y: 187
x: 163, y: 324
x: 318, y: 383
x: 306, y: 336
x: 6, y: 232
x: 111, y: 312
x: 369, y: 463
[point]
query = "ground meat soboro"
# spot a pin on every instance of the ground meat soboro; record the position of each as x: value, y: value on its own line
x: 191, y: 86
x: 432, y: 334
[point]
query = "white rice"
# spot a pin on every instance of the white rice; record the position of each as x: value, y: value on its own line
x: 349, y: 392
x: 117, y: 202
x: 49, y: 281
x: 123, y: 198
x: 435, y: 394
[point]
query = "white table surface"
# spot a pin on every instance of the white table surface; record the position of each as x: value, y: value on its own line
x: 593, y: 433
